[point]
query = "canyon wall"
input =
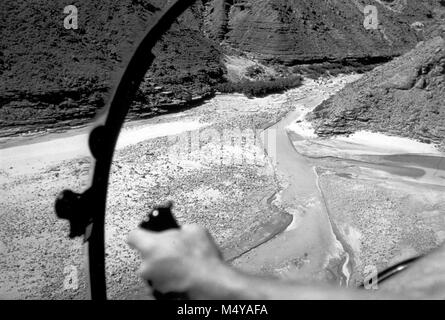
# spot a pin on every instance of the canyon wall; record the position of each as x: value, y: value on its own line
x: 52, y: 77
x: 296, y: 31
x: 405, y: 97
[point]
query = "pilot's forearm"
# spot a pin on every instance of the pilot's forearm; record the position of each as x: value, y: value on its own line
x: 223, y: 282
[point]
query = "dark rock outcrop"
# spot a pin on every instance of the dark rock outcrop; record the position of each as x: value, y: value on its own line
x: 50, y: 76
x: 53, y: 77
x: 404, y: 97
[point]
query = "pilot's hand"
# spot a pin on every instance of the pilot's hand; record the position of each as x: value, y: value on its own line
x: 176, y: 260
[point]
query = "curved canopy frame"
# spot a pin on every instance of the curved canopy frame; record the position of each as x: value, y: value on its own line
x: 86, y: 211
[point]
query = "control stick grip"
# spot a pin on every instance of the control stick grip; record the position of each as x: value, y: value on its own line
x: 161, y: 219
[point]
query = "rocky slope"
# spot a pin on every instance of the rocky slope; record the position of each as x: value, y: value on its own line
x: 306, y: 31
x: 51, y: 76
x: 404, y: 97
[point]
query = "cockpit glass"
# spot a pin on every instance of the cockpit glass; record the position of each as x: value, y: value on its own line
x: 307, y: 137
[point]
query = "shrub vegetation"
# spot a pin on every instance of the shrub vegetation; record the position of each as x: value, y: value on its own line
x: 259, y: 88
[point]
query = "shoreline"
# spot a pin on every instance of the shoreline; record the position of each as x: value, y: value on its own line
x: 245, y: 205
x: 308, y: 248
x: 226, y: 198
x: 358, y: 143
x: 365, y: 171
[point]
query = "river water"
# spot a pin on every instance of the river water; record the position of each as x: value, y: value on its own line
x: 322, y: 244
x: 309, y: 247
x: 331, y: 237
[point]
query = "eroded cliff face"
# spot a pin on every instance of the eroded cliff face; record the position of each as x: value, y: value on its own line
x: 52, y: 77
x: 295, y: 31
x: 405, y: 97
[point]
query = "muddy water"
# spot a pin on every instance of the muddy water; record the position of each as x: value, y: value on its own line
x: 309, y: 247
x: 312, y: 247
x: 432, y: 167
x: 414, y: 167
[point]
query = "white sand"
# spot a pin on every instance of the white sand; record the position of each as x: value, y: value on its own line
x: 30, y: 158
x: 383, y: 143
x: 131, y: 136
x: 359, y: 143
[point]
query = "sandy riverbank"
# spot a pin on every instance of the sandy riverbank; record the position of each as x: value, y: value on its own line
x: 31, y: 158
x: 384, y: 194
x: 223, y: 171
x: 210, y: 185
